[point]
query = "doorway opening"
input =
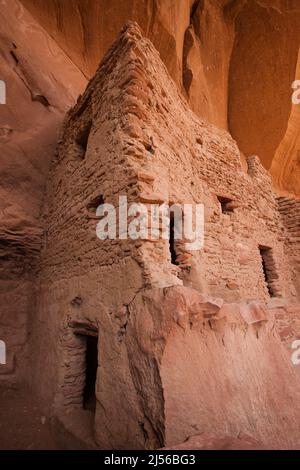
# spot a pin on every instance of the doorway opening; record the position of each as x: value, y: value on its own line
x: 269, y: 269
x: 91, y: 366
x: 79, y: 370
x: 87, y: 364
x: 82, y: 139
x: 172, y: 240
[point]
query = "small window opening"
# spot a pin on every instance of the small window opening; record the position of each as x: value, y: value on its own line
x: 94, y: 204
x: 269, y: 269
x: 83, y: 138
x: 172, y: 241
x: 91, y: 366
x: 225, y: 204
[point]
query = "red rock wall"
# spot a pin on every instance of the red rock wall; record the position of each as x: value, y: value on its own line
x: 234, y: 60
x: 41, y: 83
x: 223, y: 373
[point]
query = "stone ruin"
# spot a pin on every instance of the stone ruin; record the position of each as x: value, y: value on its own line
x: 144, y: 344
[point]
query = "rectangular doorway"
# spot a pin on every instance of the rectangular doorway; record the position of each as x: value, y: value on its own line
x: 85, y: 367
x: 91, y: 367
x: 269, y: 269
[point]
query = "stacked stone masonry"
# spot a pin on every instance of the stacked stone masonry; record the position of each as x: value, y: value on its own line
x: 184, y: 348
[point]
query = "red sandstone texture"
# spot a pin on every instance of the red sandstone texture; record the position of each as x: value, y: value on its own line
x: 211, y: 442
x: 192, y: 355
x: 234, y: 60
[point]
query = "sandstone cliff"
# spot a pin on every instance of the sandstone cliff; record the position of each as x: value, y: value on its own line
x: 235, y: 60
x: 232, y: 63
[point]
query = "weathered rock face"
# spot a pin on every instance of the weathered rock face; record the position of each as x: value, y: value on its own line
x: 209, y: 374
x: 219, y: 53
x: 234, y: 60
x: 181, y: 351
x: 262, y: 70
x: 285, y: 165
x: 158, y: 324
x: 207, y: 441
x: 41, y: 84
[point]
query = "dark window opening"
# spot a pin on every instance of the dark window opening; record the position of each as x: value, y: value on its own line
x: 269, y: 270
x: 226, y: 204
x: 91, y: 366
x: 83, y: 138
x: 172, y: 241
x: 94, y: 204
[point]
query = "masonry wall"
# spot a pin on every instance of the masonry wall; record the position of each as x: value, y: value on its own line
x: 287, y: 314
x: 132, y: 134
x: 83, y: 280
x: 289, y: 209
x: 190, y: 161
